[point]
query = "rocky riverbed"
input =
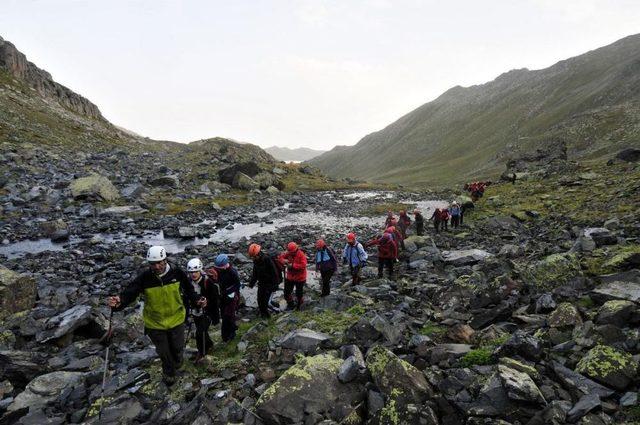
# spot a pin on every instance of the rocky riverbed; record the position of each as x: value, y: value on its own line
x: 527, y: 314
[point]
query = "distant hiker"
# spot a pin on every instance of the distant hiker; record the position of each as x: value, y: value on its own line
x: 419, y: 219
x: 390, y: 221
x: 326, y: 264
x: 466, y: 206
x: 229, y: 282
x: 387, y: 253
x: 403, y: 223
x: 455, y: 214
x: 435, y: 217
x: 444, y: 218
x: 355, y: 256
x: 513, y: 178
x: 265, y: 273
x: 205, y: 286
x: 395, y: 234
x: 167, y: 293
x: 295, y: 262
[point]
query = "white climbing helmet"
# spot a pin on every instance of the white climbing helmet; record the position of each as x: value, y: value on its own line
x: 156, y: 253
x: 194, y: 265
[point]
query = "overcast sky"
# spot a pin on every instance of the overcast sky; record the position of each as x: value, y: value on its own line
x: 294, y: 73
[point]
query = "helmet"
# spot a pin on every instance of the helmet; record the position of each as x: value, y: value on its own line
x: 320, y: 244
x: 194, y: 265
x: 416, y: 211
x: 156, y: 253
x: 254, y: 249
x: 292, y: 246
x: 221, y: 260
x: 351, y: 236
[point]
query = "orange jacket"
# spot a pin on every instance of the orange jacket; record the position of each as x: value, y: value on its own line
x: 297, y: 265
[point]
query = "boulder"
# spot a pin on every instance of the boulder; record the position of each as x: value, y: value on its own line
x: 20, y: 367
x: 187, y: 232
x: 565, y: 315
x: 608, y: 366
x: 617, y: 290
x: 587, y: 403
x: 227, y: 175
x: 601, y: 236
x: 45, y: 389
x: 616, y: 312
x: 17, y: 292
x: 309, y: 389
x: 552, y: 271
x: 626, y: 259
x: 265, y: 180
x: 519, y: 385
x: 244, y: 182
x: 523, y: 345
x: 70, y: 320
x: 465, y: 257
x: 545, y: 303
x: 272, y: 190
x: 132, y: 191
x: 578, y: 383
x: 304, y: 340
x: 170, y: 180
x: 442, y: 352
x: 123, y: 210
x: 629, y: 155
x: 56, y: 230
x: 94, y: 188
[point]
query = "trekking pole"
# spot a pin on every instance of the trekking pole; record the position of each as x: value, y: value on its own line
x: 106, y: 363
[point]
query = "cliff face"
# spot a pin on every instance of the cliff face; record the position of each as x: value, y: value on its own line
x: 19, y: 67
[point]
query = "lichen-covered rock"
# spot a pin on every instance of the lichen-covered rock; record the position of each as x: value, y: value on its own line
x: 608, y: 366
x: 310, y: 387
x: 95, y: 188
x: 566, y: 314
x: 391, y: 373
x: 617, y: 290
x: 519, y: 385
x: 244, y: 182
x: 56, y: 230
x: 46, y: 388
x: 616, y: 312
x: 627, y: 258
x: 552, y: 271
x: 170, y: 180
x: 17, y: 292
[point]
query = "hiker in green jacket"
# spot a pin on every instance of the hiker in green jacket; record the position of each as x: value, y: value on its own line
x: 165, y: 288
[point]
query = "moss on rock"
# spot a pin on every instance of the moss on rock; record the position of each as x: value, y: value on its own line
x: 608, y: 366
x: 552, y: 271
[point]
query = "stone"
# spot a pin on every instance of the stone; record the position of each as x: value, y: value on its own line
x: 227, y: 175
x: 122, y: 210
x: 350, y: 369
x: 244, y: 182
x: 577, y: 382
x: 46, y: 388
x: 391, y: 332
x: 56, y: 230
x: 94, y: 188
x: 601, y: 236
x: 305, y: 340
x: 519, y: 385
x: 17, y: 292
x: 586, y: 404
x: 442, y: 352
x: 20, y: 367
x: 624, y: 260
x: 132, y: 191
x: 310, y: 387
x: 521, y: 344
x: 566, y: 314
x: 66, y: 322
x: 553, y: 271
x: 616, y: 312
x: 629, y: 155
x: 187, y: 232
x: 629, y: 399
x: 461, y: 333
x: 608, y: 366
x: 272, y: 190
x: 545, y: 303
x: 170, y: 180
x: 617, y: 290
x: 465, y: 257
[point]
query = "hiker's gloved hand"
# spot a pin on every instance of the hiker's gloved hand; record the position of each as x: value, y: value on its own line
x: 113, y: 301
x: 202, y: 302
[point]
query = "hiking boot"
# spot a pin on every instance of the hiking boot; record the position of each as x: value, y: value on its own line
x: 198, y: 359
x: 169, y: 381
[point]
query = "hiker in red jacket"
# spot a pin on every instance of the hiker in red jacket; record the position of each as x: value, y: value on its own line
x: 387, y: 253
x: 389, y: 220
x: 444, y: 218
x: 397, y: 237
x: 403, y: 223
x: 296, y: 274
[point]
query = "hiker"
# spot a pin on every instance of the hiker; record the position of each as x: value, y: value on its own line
x: 464, y: 208
x: 444, y: 218
x: 455, y: 214
x: 326, y: 264
x: 436, y: 216
x: 389, y: 220
x: 354, y: 255
x: 229, y: 283
x: 403, y: 223
x: 387, y: 253
x: 397, y: 235
x: 167, y: 294
x: 205, y: 286
x: 295, y: 262
x: 265, y: 274
x: 419, y: 220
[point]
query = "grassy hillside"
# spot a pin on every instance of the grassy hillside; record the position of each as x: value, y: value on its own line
x: 591, y: 101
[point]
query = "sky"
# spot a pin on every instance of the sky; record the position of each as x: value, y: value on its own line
x: 294, y: 73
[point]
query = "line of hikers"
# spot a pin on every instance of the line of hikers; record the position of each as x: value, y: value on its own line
x: 212, y: 295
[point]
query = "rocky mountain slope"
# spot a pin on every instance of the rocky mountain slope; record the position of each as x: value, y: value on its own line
x: 591, y: 102
x: 288, y: 154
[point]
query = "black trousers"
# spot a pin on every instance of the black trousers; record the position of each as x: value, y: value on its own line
x: 420, y: 228
x: 355, y: 273
x: 455, y: 221
x: 169, y: 347
x: 326, y: 281
x: 382, y: 262
x: 203, y: 340
x: 288, y: 291
x: 264, y: 294
x: 461, y: 217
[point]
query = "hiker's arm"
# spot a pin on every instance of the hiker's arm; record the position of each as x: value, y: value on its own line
x: 187, y: 288
x: 254, y: 276
x: 299, y: 262
x: 130, y: 293
x: 213, y: 304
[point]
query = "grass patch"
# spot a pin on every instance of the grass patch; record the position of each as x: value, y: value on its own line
x: 432, y: 329
x: 382, y: 209
x: 478, y: 357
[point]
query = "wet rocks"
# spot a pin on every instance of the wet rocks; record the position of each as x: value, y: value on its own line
x: 56, y: 230
x: 94, y: 188
x: 17, y: 292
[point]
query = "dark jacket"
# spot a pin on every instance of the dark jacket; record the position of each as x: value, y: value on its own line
x: 419, y: 218
x: 211, y: 291
x: 264, y: 273
x: 167, y: 298
x: 229, y: 283
x: 326, y: 260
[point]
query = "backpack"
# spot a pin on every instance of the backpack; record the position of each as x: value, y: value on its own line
x: 278, y: 265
